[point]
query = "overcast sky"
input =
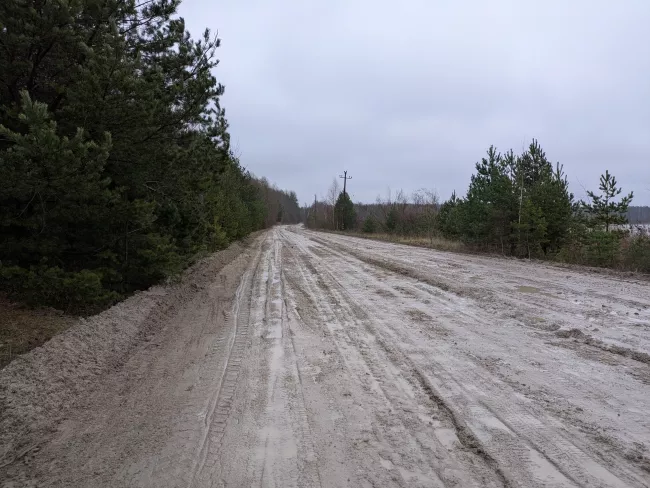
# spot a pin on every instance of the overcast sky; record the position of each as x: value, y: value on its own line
x: 410, y: 94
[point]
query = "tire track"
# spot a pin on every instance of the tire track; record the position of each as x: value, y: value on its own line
x: 560, y: 460
x: 309, y: 473
x: 220, y: 404
x: 465, y: 436
x: 275, y: 447
x: 301, y: 365
x: 380, y: 379
x: 526, y: 427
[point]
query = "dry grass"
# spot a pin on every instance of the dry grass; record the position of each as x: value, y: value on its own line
x: 439, y: 243
x: 23, y: 328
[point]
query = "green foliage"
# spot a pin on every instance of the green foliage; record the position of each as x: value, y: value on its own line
x: 547, y: 188
x: 603, y: 210
x: 635, y: 253
x: 521, y: 205
x: 449, y: 217
x: 344, y: 213
x: 490, y: 204
x: 278, y: 206
x: 518, y: 205
x: 601, y: 248
x: 114, y: 151
x: 597, y: 247
x: 53, y: 190
x: 575, y: 242
x: 370, y: 225
x: 43, y: 284
x: 531, y: 230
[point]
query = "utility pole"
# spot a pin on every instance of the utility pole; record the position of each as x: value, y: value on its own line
x: 345, y: 180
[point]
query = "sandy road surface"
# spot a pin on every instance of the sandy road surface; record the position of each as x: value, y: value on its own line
x: 338, y: 362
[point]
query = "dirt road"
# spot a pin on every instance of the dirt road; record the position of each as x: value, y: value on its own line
x: 316, y: 360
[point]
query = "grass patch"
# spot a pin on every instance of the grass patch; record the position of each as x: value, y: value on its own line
x: 23, y: 328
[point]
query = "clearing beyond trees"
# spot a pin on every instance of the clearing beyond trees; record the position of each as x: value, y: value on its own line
x: 318, y: 360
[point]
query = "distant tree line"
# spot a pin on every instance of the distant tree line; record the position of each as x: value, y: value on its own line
x: 280, y: 207
x: 517, y: 205
x: 116, y: 169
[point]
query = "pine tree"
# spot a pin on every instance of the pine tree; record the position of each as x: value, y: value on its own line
x: 490, y: 204
x: 547, y: 188
x: 55, y: 200
x: 531, y: 230
x: 344, y: 212
x: 603, y: 209
x: 369, y: 225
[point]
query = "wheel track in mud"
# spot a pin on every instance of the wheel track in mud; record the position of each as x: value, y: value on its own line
x: 465, y: 436
x: 560, y: 453
x: 564, y: 453
x: 309, y: 475
x: 485, y: 299
x: 357, y: 315
x: 413, y: 385
x: 220, y: 404
x: 538, y: 433
x: 327, y: 311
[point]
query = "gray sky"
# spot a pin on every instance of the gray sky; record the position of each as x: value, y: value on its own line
x: 410, y: 94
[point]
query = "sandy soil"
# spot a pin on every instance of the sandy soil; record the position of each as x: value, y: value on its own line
x: 317, y: 360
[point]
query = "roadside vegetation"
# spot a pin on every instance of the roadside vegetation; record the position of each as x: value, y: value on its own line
x: 116, y: 169
x: 516, y: 205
